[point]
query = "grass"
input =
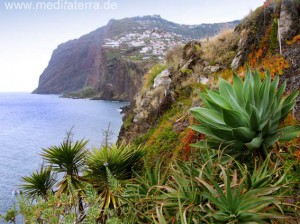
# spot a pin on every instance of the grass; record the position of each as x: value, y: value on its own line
x: 221, y: 48
x: 151, y: 75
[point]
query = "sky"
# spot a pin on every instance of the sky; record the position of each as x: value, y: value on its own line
x: 32, y: 29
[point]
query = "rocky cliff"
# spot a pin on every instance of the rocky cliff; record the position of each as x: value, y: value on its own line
x: 73, y: 65
x: 107, y: 63
x: 269, y: 38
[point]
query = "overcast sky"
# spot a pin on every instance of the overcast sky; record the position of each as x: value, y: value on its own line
x: 28, y: 36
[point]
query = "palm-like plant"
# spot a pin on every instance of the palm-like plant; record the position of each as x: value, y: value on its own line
x: 39, y: 183
x: 68, y: 158
x: 106, y: 168
x: 247, y: 115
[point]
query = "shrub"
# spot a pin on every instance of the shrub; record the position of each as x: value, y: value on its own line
x: 245, y: 117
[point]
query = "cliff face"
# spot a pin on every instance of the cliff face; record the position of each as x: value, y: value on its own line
x: 84, y: 63
x: 95, y: 66
x: 73, y: 65
x: 159, y: 117
x: 120, y: 79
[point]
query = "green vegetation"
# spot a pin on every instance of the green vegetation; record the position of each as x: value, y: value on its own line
x: 186, y: 71
x: 39, y: 183
x: 273, y: 36
x: 151, y: 75
x: 128, y: 121
x: 87, y: 92
x: 245, y: 118
x: 94, y: 179
x: 10, y: 216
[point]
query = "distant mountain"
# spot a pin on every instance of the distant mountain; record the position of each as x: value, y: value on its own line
x: 109, y: 63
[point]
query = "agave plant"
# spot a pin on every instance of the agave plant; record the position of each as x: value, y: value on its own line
x: 141, y: 193
x: 246, y: 116
x: 39, y: 183
x: 230, y: 200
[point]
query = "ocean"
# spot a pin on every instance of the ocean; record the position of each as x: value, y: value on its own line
x: 30, y: 122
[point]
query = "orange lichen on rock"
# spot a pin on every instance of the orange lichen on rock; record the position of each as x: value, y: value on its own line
x: 295, y: 40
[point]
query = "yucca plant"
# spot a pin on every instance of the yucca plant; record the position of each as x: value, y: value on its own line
x: 246, y: 117
x: 106, y: 169
x: 68, y: 159
x: 119, y: 159
x: 39, y: 183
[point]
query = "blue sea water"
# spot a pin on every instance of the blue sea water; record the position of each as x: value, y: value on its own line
x: 31, y: 122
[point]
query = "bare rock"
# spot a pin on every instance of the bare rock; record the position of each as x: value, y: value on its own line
x: 162, y: 79
x: 289, y: 22
x: 211, y: 69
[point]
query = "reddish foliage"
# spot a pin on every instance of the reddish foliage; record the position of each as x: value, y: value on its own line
x: 297, y: 155
x: 191, y: 137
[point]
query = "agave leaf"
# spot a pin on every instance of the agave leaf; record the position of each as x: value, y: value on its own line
x: 228, y: 92
x: 221, y: 101
x: 246, y: 89
x: 238, y: 87
x: 243, y: 134
x: 226, y: 89
x: 212, y: 105
x: 266, y: 93
x: 234, y: 119
x: 204, y: 130
x: 280, y: 92
x: 209, y: 103
x: 208, y: 116
x: 254, y: 119
x: 288, y: 133
x: 290, y: 98
x: 223, y: 134
x: 273, y: 87
x: 272, y: 100
x: 251, y: 97
x: 286, y: 110
x: 257, y: 85
x: 255, y: 143
x: 267, y: 128
x: 271, y: 139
